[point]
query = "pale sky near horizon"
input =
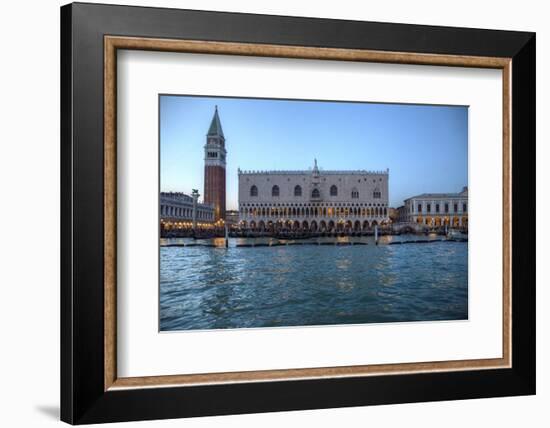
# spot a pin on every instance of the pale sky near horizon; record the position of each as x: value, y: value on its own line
x: 425, y: 147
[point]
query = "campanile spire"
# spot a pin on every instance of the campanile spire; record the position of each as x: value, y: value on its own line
x: 214, y: 167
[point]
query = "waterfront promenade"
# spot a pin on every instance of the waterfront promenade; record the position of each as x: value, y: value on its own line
x: 234, y: 232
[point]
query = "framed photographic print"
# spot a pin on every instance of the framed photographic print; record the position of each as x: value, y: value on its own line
x: 265, y: 213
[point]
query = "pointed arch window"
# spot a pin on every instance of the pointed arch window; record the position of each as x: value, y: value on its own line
x: 275, y: 191
x: 376, y: 194
x: 354, y: 193
x: 333, y: 190
x: 253, y: 191
x: 315, y: 193
x: 298, y: 191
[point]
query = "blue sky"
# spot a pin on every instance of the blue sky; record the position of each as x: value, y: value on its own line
x: 425, y: 147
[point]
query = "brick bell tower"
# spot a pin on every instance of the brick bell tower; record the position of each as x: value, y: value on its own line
x: 214, y: 167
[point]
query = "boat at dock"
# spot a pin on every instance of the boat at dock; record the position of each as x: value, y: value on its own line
x: 456, y: 235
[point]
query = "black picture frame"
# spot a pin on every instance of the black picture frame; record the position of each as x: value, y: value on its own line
x: 83, y: 398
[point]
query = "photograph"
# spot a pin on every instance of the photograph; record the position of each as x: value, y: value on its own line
x: 289, y: 213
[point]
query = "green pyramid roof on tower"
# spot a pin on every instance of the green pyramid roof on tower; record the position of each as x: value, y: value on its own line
x: 216, y: 125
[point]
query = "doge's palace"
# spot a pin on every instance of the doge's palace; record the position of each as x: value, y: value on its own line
x: 313, y: 199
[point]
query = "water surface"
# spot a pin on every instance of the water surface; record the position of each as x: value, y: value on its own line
x: 205, y: 287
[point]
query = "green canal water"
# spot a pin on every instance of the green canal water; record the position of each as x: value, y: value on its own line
x: 207, y: 286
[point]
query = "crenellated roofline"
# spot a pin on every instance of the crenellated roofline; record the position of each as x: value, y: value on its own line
x: 310, y: 172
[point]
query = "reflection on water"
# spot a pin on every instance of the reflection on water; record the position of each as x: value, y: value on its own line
x: 208, y: 286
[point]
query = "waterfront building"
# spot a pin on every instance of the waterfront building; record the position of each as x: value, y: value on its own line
x: 176, y: 212
x: 401, y: 214
x: 214, y: 167
x: 232, y: 218
x: 393, y: 214
x: 436, y: 209
x: 313, y: 200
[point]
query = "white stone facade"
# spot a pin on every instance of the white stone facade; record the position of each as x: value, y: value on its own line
x: 313, y: 199
x: 436, y: 209
x: 176, y: 208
